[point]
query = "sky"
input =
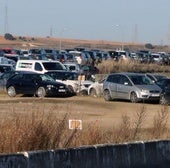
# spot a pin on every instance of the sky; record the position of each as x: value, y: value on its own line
x: 141, y: 21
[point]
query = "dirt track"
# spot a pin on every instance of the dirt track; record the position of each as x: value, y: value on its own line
x: 88, y: 109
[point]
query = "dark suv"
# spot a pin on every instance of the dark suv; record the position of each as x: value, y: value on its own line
x: 40, y: 85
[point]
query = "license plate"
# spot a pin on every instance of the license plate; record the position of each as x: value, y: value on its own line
x: 155, y: 95
x: 61, y: 90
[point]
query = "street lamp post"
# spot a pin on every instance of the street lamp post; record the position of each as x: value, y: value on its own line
x: 61, y: 33
x: 122, y: 36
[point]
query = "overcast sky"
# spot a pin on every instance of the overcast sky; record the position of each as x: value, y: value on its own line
x: 146, y: 21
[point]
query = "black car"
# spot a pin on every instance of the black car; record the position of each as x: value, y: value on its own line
x: 30, y: 83
x: 5, y: 76
x: 164, y: 84
x: 155, y: 77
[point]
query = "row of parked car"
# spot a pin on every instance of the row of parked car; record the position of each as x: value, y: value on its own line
x: 75, y: 82
x: 84, y: 56
x: 135, y: 87
x: 75, y: 78
x: 78, y: 55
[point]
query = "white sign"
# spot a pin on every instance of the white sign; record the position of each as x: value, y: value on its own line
x: 75, y: 124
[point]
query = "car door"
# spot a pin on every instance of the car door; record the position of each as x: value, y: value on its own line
x: 4, y: 77
x: 123, y: 87
x: 112, y: 84
x: 28, y: 84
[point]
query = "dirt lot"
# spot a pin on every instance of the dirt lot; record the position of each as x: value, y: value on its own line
x: 88, y: 109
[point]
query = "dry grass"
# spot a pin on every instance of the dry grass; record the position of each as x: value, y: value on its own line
x: 42, y: 130
x: 112, y: 66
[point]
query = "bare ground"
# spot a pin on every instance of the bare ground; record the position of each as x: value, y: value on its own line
x: 88, y: 109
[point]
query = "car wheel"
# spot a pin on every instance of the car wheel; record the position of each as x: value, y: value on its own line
x: 41, y: 92
x: 83, y: 92
x: 11, y: 91
x: 93, y: 92
x: 133, y: 97
x: 106, y: 95
x: 163, y: 100
x: 71, y: 90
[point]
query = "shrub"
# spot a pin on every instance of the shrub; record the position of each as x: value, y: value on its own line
x: 111, y: 66
x: 149, y: 46
x: 9, y: 36
x: 40, y: 130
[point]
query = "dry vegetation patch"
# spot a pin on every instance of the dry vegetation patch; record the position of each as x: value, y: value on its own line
x: 41, y: 124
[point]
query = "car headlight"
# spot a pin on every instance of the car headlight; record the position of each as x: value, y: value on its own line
x: 144, y: 91
x: 50, y: 86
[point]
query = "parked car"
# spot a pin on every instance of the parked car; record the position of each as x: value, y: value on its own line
x: 71, y: 58
x: 39, y: 66
x: 73, y: 67
x: 130, y: 86
x: 95, y: 89
x: 4, y: 77
x: 50, y: 53
x: 30, y: 83
x: 155, y: 76
x: 38, y: 57
x: 36, y: 51
x: 72, y: 80
x: 156, y: 58
x: 6, y: 67
x: 80, y: 57
x: 24, y: 52
x: 164, y: 84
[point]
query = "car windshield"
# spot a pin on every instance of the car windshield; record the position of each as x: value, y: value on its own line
x: 45, y: 77
x: 140, y: 80
x: 53, y: 66
x: 63, y: 75
x: 5, y: 68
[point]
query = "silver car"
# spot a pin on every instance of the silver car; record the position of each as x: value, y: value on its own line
x: 130, y: 86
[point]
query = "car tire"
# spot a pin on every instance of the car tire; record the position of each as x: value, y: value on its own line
x: 71, y: 90
x: 163, y: 100
x: 134, y: 98
x: 106, y: 95
x: 41, y: 92
x: 93, y: 92
x: 83, y: 93
x: 11, y: 91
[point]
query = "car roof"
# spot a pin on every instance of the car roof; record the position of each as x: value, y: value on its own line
x: 128, y: 73
x: 60, y: 71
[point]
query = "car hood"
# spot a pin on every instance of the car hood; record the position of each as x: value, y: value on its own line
x: 149, y: 87
x: 52, y: 82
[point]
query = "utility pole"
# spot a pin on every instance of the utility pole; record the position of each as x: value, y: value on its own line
x: 6, y: 19
x: 51, y: 31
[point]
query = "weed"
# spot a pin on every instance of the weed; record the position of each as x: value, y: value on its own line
x: 111, y: 66
x: 160, y: 123
x: 41, y: 129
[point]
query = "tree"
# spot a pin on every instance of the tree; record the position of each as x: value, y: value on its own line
x: 9, y: 36
x: 149, y: 46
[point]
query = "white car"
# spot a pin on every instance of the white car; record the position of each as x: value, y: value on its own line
x: 95, y: 89
x: 75, y: 83
x: 73, y: 67
x: 80, y: 57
